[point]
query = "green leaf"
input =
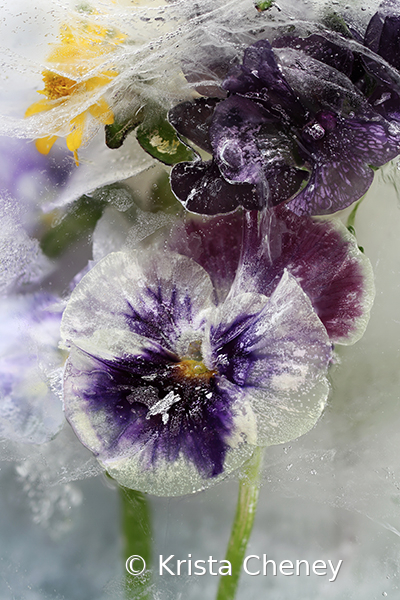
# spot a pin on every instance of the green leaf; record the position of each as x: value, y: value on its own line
x: 81, y: 218
x: 161, y: 141
x: 116, y: 132
x: 335, y: 22
x: 73, y: 226
x: 263, y: 5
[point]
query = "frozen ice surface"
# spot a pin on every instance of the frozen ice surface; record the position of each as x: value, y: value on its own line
x: 21, y: 260
x: 333, y: 494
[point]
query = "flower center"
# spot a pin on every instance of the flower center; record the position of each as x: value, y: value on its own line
x: 57, y: 86
x: 193, y: 369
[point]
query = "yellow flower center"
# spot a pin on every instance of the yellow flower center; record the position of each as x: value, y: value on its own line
x: 193, y: 369
x: 56, y: 86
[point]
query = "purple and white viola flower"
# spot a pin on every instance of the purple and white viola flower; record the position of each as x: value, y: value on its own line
x: 174, y: 376
x: 300, y: 125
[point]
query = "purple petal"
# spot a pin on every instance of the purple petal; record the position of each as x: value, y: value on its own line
x: 215, y: 244
x: 342, y: 153
x: 383, y: 37
x: 325, y: 260
x: 151, y: 297
x: 202, y: 189
x: 192, y: 120
x: 260, y: 78
x: 249, y: 147
x: 320, y: 48
x: 279, y: 354
x: 142, y: 405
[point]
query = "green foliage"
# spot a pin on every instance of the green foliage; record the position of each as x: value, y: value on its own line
x: 116, y: 132
x: 263, y: 5
x: 161, y: 141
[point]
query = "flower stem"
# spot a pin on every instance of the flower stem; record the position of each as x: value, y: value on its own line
x: 136, y: 530
x: 242, y: 525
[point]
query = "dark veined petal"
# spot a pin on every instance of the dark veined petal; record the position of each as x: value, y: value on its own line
x: 342, y: 154
x: 322, y: 255
x: 324, y: 259
x: 149, y: 296
x: 151, y: 430
x: 202, y: 189
x: 131, y: 392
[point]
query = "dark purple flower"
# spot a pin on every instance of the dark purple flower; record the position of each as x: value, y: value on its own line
x: 299, y: 126
x: 180, y: 365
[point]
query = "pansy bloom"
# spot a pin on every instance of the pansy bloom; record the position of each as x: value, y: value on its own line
x: 300, y: 125
x: 76, y: 78
x: 177, y: 370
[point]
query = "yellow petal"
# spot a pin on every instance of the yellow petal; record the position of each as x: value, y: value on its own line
x: 44, y: 145
x: 102, y: 111
x: 96, y: 82
x: 74, y: 138
x: 37, y: 107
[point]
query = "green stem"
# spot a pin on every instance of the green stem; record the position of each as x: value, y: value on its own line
x: 352, y: 216
x: 249, y: 486
x: 136, y: 530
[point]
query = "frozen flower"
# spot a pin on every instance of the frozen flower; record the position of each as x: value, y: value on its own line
x: 30, y: 368
x: 297, y: 127
x: 173, y: 380
x: 22, y: 262
x: 75, y: 78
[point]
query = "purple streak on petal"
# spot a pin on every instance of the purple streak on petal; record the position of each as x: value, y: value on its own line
x: 202, y: 189
x: 342, y: 152
x: 195, y: 425
x: 158, y: 316
x: 214, y: 244
x: 320, y: 258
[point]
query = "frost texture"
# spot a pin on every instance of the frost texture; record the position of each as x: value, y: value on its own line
x: 22, y: 262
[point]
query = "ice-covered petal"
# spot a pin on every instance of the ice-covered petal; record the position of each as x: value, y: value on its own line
x: 260, y: 78
x: 336, y: 55
x: 148, y: 295
x: 202, y: 189
x: 30, y: 368
x: 22, y: 262
x: 342, y: 151
x: 324, y: 258
x: 279, y: 354
x: 250, y: 146
x: 193, y: 119
x: 146, y: 430
x: 215, y: 243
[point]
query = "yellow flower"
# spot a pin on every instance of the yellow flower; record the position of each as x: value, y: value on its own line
x: 80, y: 50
